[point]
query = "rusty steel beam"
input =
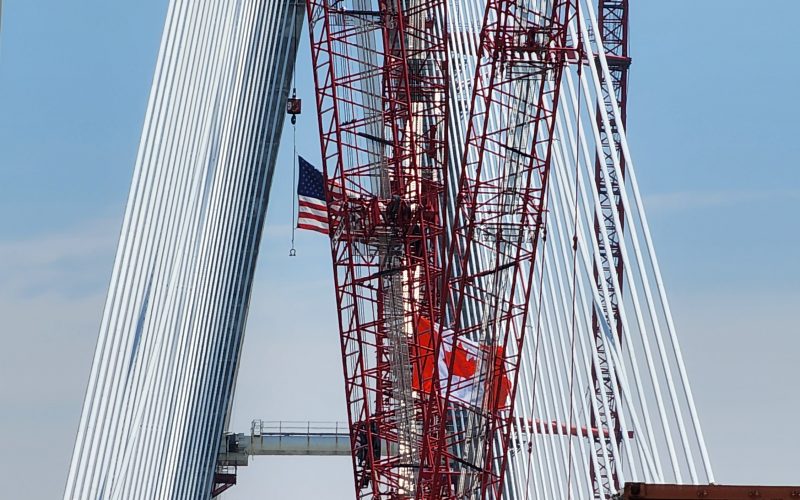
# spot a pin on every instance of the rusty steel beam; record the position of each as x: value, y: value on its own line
x: 641, y: 491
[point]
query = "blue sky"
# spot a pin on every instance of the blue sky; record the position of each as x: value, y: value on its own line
x: 713, y: 129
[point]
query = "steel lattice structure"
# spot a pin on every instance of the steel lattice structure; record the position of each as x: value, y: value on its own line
x: 381, y: 96
x: 613, y: 19
x: 505, y: 331
x: 499, y: 212
x: 526, y: 118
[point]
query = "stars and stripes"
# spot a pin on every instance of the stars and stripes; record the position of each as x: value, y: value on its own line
x: 312, y: 211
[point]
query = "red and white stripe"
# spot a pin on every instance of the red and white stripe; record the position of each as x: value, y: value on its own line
x: 312, y: 214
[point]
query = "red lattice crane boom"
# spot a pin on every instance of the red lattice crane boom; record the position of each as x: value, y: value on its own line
x: 494, y: 235
x: 380, y: 75
x: 429, y: 388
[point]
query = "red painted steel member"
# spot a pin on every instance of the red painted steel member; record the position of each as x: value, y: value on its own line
x: 501, y: 193
x: 380, y: 75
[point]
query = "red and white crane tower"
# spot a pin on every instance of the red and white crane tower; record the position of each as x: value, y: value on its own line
x: 411, y: 289
x: 495, y: 231
x: 380, y: 73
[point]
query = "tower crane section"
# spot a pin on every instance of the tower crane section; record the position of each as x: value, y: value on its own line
x: 613, y: 24
x: 493, y: 236
x: 381, y: 92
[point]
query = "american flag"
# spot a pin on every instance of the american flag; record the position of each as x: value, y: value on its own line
x: 312, y: 212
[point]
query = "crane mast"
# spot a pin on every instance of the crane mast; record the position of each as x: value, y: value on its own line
x: 415, y: 292
x: 379, y: 70
x: 613, y: 24
x: 495, y: 231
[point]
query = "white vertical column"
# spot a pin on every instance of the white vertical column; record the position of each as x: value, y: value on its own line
x: 169, y: 343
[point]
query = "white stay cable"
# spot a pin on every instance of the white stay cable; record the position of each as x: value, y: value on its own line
x: 657, y: 274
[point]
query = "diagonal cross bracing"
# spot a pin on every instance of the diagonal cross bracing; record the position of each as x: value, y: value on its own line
x: 501, y: 224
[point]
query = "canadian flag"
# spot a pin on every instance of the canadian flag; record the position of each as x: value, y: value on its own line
x: 464, y: 359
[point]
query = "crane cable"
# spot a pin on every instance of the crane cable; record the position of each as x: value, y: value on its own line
x: 539, y: 301
x: 573, y: 335
x: 295, y: 198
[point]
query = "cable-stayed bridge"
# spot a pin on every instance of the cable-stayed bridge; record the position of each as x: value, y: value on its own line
x: 505, y: 331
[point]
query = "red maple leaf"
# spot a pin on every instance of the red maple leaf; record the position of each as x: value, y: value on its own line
x: 462, y: 365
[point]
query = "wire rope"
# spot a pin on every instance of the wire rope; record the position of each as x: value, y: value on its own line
x: 574, y: 267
